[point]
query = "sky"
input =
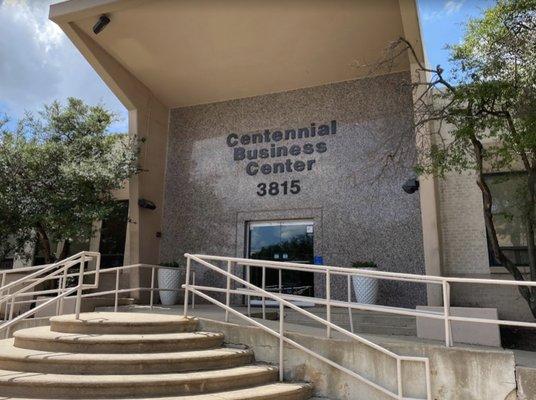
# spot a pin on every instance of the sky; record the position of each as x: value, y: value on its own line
x: 38, y: 64
x: 442, y: 23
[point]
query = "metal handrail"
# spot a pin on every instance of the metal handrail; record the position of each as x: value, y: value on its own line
x: 57, y: 271
x: 41, y: 270
x: 398, y: 276
x: 444, y: 281
x: 280, y: 298
x: 115, y: 291
x: 250, y: 291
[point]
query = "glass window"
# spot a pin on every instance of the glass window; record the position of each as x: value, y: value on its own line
x: 509, y: 195
x: 288, y: 241
x: 113, y: 235
x: 6, y: 263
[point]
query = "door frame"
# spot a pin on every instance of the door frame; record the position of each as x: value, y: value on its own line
x: 315, y: 214
x: 274, y: 223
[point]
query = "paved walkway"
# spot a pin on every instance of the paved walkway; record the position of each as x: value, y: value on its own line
x: 212, y: 312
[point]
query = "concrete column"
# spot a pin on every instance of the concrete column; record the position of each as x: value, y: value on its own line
x: 148, y: 121
x: 428, y: 190
x: 150, y: 127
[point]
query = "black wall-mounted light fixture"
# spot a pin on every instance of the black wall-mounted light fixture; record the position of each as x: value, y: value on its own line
x: 411, y: 185
x: 147, y: 204
x: 101, y: 24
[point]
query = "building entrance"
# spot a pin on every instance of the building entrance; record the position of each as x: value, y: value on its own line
x: 288, y: 241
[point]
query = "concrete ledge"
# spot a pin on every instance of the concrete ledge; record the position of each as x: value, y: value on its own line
x: 462, y: 332
x: 526, y: 383
x: 457, y: 373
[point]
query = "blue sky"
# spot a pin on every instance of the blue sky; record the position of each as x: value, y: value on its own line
x: 442, y: 22
x: 38, y: 64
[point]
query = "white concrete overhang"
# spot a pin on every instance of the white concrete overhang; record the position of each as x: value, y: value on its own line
x: 187, y: 52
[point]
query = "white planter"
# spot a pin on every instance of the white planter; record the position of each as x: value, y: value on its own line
x: 169, y: 278
x: 365, y: 289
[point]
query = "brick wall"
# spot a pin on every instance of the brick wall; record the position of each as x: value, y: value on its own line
x: 462, y: 226
x: 465, y: 251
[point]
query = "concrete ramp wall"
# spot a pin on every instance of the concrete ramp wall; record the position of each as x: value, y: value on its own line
x: 460, y: 373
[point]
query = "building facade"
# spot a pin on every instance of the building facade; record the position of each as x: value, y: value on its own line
x: 304, y: 156
x: 263, y: 128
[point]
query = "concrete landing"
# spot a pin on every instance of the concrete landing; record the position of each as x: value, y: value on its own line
x: 213, y: 313
x: 122, y: 323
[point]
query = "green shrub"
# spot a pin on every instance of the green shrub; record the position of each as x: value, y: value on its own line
x: 364, y: 264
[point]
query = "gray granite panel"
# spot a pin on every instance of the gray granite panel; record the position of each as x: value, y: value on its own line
x: 209, y: 197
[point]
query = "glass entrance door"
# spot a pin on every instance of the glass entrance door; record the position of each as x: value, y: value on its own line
x: 290, y: 241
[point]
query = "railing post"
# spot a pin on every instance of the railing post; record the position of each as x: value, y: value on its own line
x: 349, y: 293
x: 263, y: 288
x: 152, y: 288
x: 248, y: 279
x: 57, y: 294
x: 97, y: 270
x: 399, y: 378
x: 428, y: 379
x: 328, y: 302
x: 116, y: 301
x: 281, y: 341
x: 446, y: 314
x: 80, y: 283
x: 280, y: 280
x: 228, y: 290
x: 193, y: 293
x: 186, y: 283
x: 11, y: 310
x: 63, y: 286
x: 6, y: 307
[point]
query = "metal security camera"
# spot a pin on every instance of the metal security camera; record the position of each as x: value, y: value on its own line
x: 411, y: 185
x: 101, y: 24
x: 147, y: 204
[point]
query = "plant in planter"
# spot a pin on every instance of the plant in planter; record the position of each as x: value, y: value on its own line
x: 365, y: 289
x: 169, y: 278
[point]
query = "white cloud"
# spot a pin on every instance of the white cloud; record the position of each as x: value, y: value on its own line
x: 39, y: 64
x: 453, y: 6
x: 436, y: 9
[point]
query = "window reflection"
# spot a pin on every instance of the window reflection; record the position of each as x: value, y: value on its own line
x: 509, y: 195
x: 290, y: 241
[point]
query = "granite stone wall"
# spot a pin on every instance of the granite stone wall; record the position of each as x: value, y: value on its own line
x: 356, y: 201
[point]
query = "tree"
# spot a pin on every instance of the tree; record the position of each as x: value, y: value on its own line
x: 488, y: 101
x: 57, y: 173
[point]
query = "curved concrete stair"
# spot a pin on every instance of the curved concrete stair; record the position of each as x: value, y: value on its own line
x: 60, y: 386
x: 42, y: 338
x: 122, y: 323
x: 24, y: 360
x: 127, y: 356
x: 272, y: 391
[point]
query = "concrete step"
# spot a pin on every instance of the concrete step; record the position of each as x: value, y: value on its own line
x: 42, y: 338
x: 24, y: 360
x: 122, y: 323
x: 59, y: 386
x: 273, y: 391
